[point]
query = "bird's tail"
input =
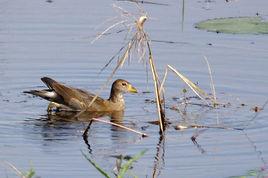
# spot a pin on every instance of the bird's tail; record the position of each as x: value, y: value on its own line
x: 49, y: 95
x: 48, y: 81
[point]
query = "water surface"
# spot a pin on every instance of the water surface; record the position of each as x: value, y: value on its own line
x: 38, y: 39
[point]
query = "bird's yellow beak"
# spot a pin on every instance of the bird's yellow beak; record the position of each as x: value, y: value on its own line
x: 132, y: 89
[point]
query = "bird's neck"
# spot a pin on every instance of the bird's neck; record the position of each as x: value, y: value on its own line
x: 116, y: 97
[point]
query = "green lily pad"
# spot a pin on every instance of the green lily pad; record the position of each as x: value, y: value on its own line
x: 235, y: 25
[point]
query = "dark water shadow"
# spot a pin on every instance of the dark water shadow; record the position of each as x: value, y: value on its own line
x: 194, y: 140
x: 159, y: 161
x: 115, y: 117
x: 257, y: 151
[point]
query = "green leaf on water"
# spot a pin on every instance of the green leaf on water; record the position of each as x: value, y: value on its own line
x: 235, y: 25
x: 252, y: 173
x: 125, y: 167
x: 30, y: 173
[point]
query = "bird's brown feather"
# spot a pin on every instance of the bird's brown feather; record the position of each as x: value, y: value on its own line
x: 78, y: 99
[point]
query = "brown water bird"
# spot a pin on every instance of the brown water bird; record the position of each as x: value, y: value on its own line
x: 69, y: 98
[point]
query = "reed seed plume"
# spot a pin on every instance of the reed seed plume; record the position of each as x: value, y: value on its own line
x: 138, y: 43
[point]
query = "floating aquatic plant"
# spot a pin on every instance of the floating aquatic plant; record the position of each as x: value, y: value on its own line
x: 235, y: 25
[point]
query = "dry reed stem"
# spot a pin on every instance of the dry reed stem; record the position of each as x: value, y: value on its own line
x: 18, y: 172
x: 145, y: 2
x: 211, y: 82
x: 214, y: 127
x: 121, y: 126
x: 160, y: 112
x: 197, y: 126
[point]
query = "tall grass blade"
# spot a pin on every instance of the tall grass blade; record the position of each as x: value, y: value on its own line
x: 211, y: 82
x: 95, y: 165
x: 125, y: 167
x: 163, y: 81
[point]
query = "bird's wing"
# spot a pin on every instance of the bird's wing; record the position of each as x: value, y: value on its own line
x: 71, y: 97
x: 75, y: 98
x: 98, y: 105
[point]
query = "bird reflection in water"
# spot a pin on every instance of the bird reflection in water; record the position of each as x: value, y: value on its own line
x: 63, y: 127
x: 68, y: 116
x: 87, y: 117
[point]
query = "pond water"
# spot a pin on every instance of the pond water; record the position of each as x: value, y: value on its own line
x: 52, y: 38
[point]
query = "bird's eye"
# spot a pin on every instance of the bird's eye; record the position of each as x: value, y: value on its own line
x: 124, y: 84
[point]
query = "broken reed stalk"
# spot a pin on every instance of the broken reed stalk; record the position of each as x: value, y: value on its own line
x: 198, y: 91
x: 181, y: 127
x: 121, y: 126
x: 160, y: 111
